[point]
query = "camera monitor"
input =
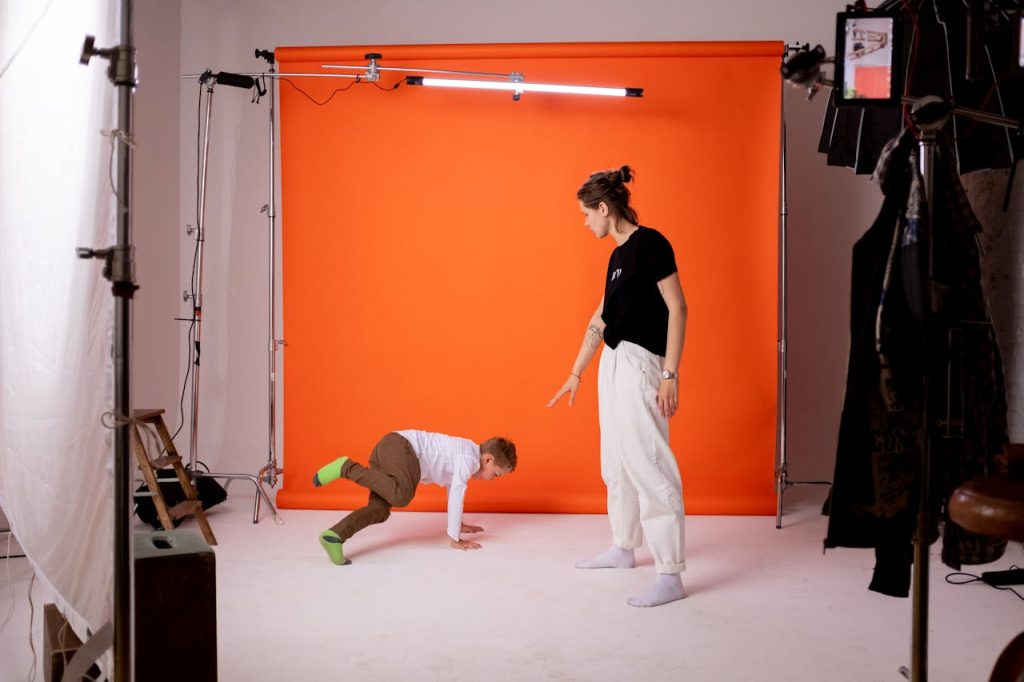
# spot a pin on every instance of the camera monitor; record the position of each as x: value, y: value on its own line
x: 867, y: 59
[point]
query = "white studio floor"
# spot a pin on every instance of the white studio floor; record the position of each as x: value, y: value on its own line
x: 763, y: 604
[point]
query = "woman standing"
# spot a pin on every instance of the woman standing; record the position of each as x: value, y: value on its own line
x: 642, y: 321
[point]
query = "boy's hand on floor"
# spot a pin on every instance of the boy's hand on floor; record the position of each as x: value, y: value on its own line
x: 463, y: 544
x: 466, y: 528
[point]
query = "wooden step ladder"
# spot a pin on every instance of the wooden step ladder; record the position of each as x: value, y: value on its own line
x: 192, y: 505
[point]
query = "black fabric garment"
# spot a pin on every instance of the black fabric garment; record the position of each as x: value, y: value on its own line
x: 875, y: 461
x: 209, y: 491
x: 634, y: 309
x: 855, y: 136
x: 917, y: 317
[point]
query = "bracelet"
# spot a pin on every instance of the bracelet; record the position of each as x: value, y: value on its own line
x: 578, y: 377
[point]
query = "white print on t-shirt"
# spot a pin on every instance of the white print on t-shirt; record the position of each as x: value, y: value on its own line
x: 615, y: 275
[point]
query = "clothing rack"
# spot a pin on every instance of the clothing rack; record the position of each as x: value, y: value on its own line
x: 929, y: 115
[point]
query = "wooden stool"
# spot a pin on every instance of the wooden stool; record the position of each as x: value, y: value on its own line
x: 192, y: 505
x: 994, y: 506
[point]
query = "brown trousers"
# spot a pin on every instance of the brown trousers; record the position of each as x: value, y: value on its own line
x: 392, y: 477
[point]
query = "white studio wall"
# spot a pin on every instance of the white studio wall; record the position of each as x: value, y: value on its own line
x: 829, y: 208
x: 56, y: 311
x: 159, y: 339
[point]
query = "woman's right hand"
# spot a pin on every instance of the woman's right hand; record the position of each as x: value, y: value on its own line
x: 571, y: 385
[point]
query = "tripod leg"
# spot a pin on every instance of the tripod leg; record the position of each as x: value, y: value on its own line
x: 780, y: 490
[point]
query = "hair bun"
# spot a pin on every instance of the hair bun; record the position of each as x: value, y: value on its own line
x: 609, y: 186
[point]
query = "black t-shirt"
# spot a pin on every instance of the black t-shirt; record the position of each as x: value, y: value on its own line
x: 634, y: 309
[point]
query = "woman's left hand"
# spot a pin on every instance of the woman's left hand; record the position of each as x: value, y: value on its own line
x: 668, y: 397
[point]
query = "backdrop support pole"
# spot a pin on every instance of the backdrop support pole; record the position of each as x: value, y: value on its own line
x: 782, y: 481
x: 270, y: 471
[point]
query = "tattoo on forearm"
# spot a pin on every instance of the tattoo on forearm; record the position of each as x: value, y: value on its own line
x: 593, y: 337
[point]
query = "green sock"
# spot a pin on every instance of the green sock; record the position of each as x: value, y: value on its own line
x: 331, y: 543
x: 329, y: 472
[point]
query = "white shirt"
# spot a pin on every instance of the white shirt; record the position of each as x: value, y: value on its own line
x: 447, y: 461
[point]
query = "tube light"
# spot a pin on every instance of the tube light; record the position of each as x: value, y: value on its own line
x: 524, y: 87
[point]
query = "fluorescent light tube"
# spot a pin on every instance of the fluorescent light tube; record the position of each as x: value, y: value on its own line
x: 523, y: 87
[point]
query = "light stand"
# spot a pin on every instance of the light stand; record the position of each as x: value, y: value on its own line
x: 270, y: 471
x: 197, y: 275
x: 209, y: 79
x: 119, y: 268
x: 782, y: 480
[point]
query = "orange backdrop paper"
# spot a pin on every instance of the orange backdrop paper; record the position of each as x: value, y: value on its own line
x: 437, y: 273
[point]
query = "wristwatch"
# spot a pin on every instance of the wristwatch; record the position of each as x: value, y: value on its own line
x: 669, y: 374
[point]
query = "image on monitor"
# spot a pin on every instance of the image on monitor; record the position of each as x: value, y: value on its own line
x: 866, y: 53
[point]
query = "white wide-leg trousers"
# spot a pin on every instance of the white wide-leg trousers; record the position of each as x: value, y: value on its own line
x: 645, y: 492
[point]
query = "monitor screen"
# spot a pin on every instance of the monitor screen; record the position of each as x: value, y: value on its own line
x: 867, y: 54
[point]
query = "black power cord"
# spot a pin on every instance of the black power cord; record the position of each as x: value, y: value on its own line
x: 960, y: 578
x: 357, y: 80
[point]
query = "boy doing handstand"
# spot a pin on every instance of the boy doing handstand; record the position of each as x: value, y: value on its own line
x: 400, y: 461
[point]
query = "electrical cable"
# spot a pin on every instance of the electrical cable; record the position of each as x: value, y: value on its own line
x: 60, y: 643
x: 192, y: 279
x: 310, y: 98
x: 971, y: 578
x: 10, y: 584
x: 188, y: 372
x: 357, y: 80
x: 393, y: 87
x: 31, y: 619
x: 260, y: 90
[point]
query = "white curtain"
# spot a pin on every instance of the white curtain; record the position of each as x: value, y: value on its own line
x: 56, y: 311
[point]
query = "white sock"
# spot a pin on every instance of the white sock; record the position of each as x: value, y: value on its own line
x: 613, y: 557
x: 668, y: 587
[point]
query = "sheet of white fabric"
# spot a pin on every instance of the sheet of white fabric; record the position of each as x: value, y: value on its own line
x: 447, y: 461
x: 645, y: 495
x: 56, y: 311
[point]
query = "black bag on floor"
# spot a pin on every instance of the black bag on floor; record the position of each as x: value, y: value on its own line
x: 210, y: 493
